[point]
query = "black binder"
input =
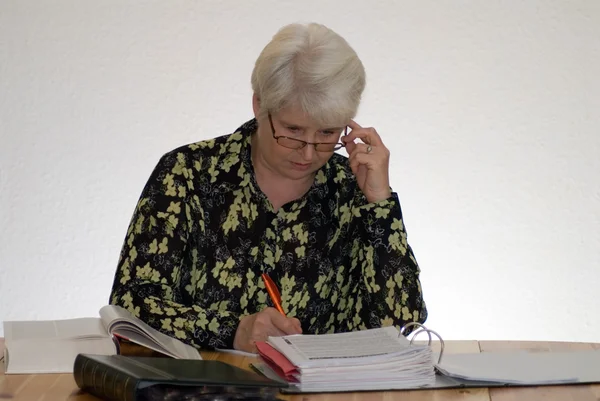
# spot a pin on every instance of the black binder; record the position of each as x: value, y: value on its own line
x: 128, y: 378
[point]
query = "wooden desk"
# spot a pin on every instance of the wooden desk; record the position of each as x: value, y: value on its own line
x: 55, y: 387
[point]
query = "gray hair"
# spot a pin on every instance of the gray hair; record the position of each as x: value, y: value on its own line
x: 312, y: 67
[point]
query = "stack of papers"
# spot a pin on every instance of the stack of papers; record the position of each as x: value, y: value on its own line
x: 375, y: 359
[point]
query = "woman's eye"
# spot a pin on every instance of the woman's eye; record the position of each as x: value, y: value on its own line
x: 294, y: 129
x: 327, y: 132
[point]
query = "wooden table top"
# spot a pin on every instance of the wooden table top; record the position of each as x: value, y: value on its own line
x: 55, y: 387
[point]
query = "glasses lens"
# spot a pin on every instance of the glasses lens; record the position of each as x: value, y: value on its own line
x: 328, y: 147
x: 290, y: 142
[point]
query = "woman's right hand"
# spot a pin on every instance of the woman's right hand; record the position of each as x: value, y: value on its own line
x: 259, y: 326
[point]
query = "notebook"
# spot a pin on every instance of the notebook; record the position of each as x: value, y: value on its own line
x: 50, y: 346
x: 384, y: 359
x: 128, y: 378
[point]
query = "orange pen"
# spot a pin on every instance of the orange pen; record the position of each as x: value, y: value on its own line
x: 273, y: 292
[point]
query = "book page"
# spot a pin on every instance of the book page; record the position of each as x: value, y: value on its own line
x: 54, y: 329
x: 121, y: 322
x: 347, y: 345
x: 301, y: 349
x: 50, y: 346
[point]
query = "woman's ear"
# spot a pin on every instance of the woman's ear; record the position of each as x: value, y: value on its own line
x: 256, y: 105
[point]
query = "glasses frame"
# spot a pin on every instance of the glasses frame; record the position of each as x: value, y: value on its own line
x: 302, y: 144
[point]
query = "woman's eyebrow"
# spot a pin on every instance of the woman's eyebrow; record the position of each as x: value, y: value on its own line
x: 302, y: 127
x: 283, y: 122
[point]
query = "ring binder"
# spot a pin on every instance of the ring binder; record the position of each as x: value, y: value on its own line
x: 422, y: 329
x: 335, y: 363
x: 369, y: 360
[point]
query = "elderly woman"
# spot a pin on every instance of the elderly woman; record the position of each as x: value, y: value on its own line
x: 272, y: 197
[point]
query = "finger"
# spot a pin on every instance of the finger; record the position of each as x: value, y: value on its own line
x: 298, y: 325
x: 354, y: 125
x: 275, y: 332
x: 290, y: 326
x: 359, y: 148
x: 349, y: 144
x: 359, y: 159
x: 250, y: 346
x: 367, y: 135
x: 361, y: 156
x: 362, y: 148
x: 283, y: 323
x: 247, y: 344
x: 259, y: 331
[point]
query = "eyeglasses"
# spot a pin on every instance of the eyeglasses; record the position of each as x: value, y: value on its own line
x: 293, y: 143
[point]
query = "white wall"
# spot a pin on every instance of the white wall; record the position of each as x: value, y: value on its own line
x: 491, y: 110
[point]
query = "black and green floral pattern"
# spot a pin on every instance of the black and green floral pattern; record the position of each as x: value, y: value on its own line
x: 203, y: 232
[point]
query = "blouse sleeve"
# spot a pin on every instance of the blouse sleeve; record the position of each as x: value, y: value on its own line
x: 389, y: 286
x: 157, y: 271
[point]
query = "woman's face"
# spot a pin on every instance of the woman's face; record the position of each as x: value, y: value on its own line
x: 279, y: 154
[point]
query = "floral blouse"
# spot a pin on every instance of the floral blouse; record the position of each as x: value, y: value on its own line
x: 203, y: 233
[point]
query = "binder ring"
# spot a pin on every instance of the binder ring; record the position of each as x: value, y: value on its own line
x: 426, y: 330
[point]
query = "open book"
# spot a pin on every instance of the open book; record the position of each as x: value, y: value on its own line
x: 51, y: 346
x: 383, y: 359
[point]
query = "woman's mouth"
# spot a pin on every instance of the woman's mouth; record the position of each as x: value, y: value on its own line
x: 301, y: 166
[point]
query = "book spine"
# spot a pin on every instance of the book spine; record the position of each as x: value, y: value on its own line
x: 103, y: 381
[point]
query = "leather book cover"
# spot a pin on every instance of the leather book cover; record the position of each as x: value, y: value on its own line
x: 131, y: 378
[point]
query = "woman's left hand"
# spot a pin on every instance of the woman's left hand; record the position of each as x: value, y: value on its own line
x: 369, y: 162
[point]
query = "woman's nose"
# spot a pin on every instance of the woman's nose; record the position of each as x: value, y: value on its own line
x: 308, y: 152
